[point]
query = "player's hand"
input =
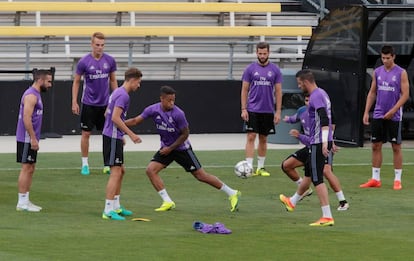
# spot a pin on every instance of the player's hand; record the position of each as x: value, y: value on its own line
x: 365, y: 119
x: 245, y: 115
x: 277, y: 117
x: 294, y: 133
x: 325, y: 150
x: 135, y: 138
x: 335, y: 148
x: 34, y: 144
x: 389, y: 115
x: 286, y: 118
x: 165, y: 151
x: 75, y: 108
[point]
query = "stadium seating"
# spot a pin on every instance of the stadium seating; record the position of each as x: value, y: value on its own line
x: 177, y: 33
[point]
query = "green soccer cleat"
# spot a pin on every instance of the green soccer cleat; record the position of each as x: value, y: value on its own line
x: 85, y: 170
x: 166, y: 206
x: 112, y: 215
x: 106, y: 170
x: 123, y: 212
x: 261, y: 172
x: 234, y: 201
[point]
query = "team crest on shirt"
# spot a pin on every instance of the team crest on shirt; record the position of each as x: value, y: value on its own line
x: 170, y: 120
x: 394, y: 78
x: 269, y: 74
x: 105, y: 66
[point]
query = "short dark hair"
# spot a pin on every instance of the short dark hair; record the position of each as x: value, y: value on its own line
x: 263, y: 45
x: 305, y: 75
x: 387, y: 49
x: 167, y: 90
x: 132, y: 73
x: 41, y: 74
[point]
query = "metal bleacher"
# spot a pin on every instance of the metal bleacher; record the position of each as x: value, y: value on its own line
x: 160, y: 57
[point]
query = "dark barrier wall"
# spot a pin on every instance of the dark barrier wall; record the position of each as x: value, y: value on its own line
x: 210, y: 106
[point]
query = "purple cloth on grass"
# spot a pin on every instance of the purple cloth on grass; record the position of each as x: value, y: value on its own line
x: 217, y: 228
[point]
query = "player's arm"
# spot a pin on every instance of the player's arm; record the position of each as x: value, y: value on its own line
x: 29, y: 104
x: 372, y: 95
x: 120, y: 124
x: 112, y: 81
x: 405, y: 92
x: 185, y: 132
x: 324, y: 120
x: 75, y: 92
x: 278, y: 95
x: 243, y: 100
x: 134, y: 121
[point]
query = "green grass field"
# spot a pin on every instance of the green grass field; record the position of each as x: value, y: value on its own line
x: 378, y: 226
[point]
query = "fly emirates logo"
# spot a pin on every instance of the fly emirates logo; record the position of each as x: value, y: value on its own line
x: 163, y: 126
x: 262, y: 81
x: 385, y: 87
x: 98, y: 75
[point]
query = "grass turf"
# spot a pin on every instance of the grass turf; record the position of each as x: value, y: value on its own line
x: 378, y: 226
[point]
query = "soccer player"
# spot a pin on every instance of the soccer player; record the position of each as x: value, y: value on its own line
x: 299, y: 158
x: 113, y: 143
x: 98, y: 71
x: 389, y: 91
x: 261, y: 82
x: 173, y: 129
x: 29, y: 125
x: 320, y: 134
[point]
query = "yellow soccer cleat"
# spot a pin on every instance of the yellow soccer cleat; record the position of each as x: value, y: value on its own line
x: 234, y: 201
x: 166, y: 206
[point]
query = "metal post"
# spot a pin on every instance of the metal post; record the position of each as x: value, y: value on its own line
x: 130, y: 50
x: 231, y: 57
x: 27, y: 61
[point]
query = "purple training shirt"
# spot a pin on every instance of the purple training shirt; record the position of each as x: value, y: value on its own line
x: 119, y: 98
x: 388, y: 91
x: 168, y: 123
x: 21, y: 133
x: 262, y: 79
x: 96, y: 78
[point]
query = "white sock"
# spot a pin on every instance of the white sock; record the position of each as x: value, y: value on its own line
x: 164, y: 195
x: 117, y: 205
x: 295, y: 198
x: 260, y: 162
x: 109, y: 205
x: 85, y: 161
x: 229, y: 191
x: 398, y: 173
x: 340, y: 195
x: 376, y: 173
x: 250, y: 161
x: 326, y: 211
x: 299, y: 181
x: 23, y: 199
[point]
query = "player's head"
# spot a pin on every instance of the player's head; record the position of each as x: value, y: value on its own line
x: 167, y: 97
x: 305, y: 79
x: 387, y: 56
x: 306, y: 95
x: 97, y: 44
x: 262, y: 52
x: 43, y: 79
x: 133, y: 78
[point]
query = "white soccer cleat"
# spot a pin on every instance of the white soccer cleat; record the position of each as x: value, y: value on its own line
x: 29, y: 207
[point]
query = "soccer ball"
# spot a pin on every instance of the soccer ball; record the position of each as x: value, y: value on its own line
x: 243, y: 169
